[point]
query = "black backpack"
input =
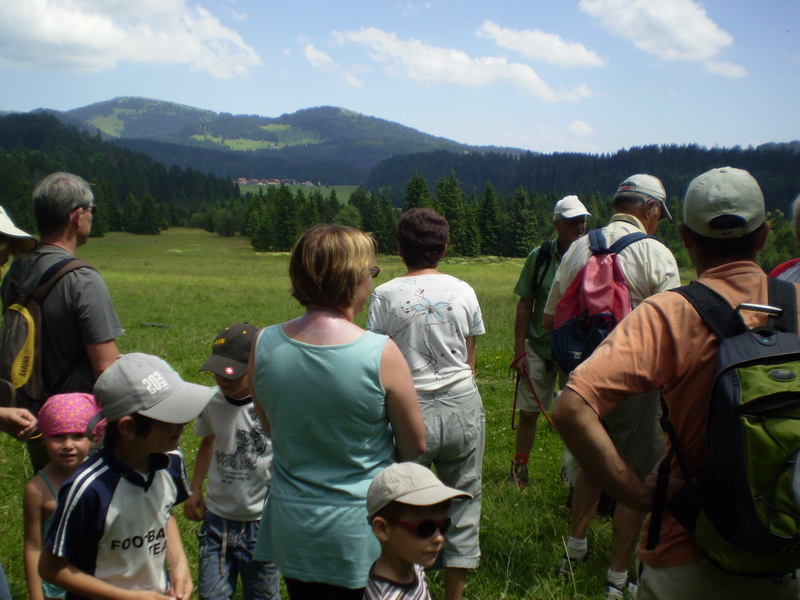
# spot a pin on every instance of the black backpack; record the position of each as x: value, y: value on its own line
x: 744, y: 509
x: 21, y: 382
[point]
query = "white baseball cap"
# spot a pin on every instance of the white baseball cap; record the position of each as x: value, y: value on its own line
x: 408, y: 483
x: 725, y: 191
x: 570, y: 207
x: 145, y: 384
x: 21, y: 242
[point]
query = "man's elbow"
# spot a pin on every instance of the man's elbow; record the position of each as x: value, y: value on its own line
x: 548, y: 321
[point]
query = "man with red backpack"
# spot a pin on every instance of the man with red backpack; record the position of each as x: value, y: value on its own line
x: 648, y: 267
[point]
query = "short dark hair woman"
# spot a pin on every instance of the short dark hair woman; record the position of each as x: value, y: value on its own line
x: 340, y: 405
x: 434, y: 318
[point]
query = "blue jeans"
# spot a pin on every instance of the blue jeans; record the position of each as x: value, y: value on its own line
x: 5, y: 593
x: 226, y: 551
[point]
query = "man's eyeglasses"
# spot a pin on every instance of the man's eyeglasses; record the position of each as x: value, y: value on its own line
x: 374, y: 272
x: 92, y: 208
x: 424, y: 529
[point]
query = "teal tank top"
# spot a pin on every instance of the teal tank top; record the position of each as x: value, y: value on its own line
x: 330, y: 436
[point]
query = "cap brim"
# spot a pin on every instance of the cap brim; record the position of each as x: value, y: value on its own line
x: 224, y: 367
x: 182, y: 405
x: 432, y: 495
x: 573, y: 213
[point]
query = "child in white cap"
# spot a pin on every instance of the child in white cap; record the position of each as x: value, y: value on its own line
x: 408, y: 508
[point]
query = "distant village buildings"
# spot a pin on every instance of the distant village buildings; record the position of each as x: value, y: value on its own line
x: 277, y: 182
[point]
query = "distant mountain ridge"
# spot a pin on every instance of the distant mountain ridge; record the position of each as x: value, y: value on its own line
x: 329, y: 144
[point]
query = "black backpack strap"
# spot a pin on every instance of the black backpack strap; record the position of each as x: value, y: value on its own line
x: 543, y: 259
x: 783, y: 295
x: 715, y: 311
x: 53, y: 274
x: 627, y: 240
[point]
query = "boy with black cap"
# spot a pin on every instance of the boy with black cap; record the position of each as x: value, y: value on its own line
x: 113, y: 528
x: 407, y: 507
x: 236, y: 454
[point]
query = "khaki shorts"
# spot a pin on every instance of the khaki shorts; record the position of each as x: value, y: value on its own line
x: 703, y: 581
x: 543, y: 374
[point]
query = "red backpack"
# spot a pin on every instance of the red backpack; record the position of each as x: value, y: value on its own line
x: 596, y: 300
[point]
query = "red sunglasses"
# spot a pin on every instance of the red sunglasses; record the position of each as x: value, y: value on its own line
x: 425, y: 529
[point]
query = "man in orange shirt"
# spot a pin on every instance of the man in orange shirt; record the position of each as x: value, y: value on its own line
x: 665, y: 344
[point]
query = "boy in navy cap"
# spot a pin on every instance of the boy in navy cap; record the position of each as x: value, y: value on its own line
x: 236, y: 454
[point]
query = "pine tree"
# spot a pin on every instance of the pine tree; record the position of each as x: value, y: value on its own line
x: 417, y: 193
x: 519, y: 226
x: 489, y: 222
x: 451, y: 202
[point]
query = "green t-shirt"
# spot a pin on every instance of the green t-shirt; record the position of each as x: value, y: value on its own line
x: 538, y: 336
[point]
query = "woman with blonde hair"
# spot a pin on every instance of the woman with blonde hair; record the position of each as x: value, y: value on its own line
x: 340, y: 406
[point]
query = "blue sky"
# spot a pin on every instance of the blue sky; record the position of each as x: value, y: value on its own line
x: 545, y: 75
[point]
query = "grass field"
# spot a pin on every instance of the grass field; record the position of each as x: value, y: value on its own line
x: 175, y: 291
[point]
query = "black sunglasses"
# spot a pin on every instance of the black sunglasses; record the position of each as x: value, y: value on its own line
x: 425, y: 529
x: 92, y: 208
x: 374, y: 272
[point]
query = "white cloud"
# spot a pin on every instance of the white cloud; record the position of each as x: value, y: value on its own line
x: 725, y: 68
x: 669, y: 29
x: 548, y: 47
x: 95, y: 35
x: 580, y: 129
x: 322, y: 60
x: 417, y: 61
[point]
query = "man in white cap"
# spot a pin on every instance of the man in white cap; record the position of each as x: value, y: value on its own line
x: 18, y: 422
x: 663, y: 344
x: 532, y: 356
x: 648, y: 267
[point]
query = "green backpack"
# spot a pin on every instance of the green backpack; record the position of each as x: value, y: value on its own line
x: 744, y: 509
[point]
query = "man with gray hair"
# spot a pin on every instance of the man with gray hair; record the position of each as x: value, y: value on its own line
x: 648, y: 267
x: 665, y: 344
x: 79, y: 323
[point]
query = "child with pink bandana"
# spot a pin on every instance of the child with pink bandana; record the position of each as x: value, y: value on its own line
x: 63, y: 421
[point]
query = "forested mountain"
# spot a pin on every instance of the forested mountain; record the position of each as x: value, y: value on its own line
x: 775, y: 166
x: 328, y: 144
x: 33, y: 145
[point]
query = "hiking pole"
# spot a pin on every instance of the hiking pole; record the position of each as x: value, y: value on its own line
x: 533, y: 391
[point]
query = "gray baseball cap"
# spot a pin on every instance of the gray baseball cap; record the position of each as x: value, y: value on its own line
x: 725, y: 191
x: 646, y: 185
x: 145, y: 384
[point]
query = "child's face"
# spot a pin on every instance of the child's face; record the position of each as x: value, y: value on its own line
x: 163, y: 437
x: 408, y: 546
x: 67, y: 450
x: 235, y: 388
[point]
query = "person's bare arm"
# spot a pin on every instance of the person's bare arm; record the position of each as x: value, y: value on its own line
x: 402, y: 404
x: 194, y: 508
x: 60, y: 572
x: 548, y: 321
x: 32, y: 546
x: 583, y: 432
x: 101, y: 355
x: 251, y: 374
x: 471, y: 352
x: 522, y: 322
x: 180, y: 576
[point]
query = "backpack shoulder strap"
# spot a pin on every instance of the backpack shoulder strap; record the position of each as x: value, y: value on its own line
x: 783, y: 295
x: 54, y: 273
x: 543, y: 259
x: 597, y: 242
x: 715, y: 311
x: 627, y: 240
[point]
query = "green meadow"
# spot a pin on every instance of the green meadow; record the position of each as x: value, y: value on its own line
x: 175, y: 291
